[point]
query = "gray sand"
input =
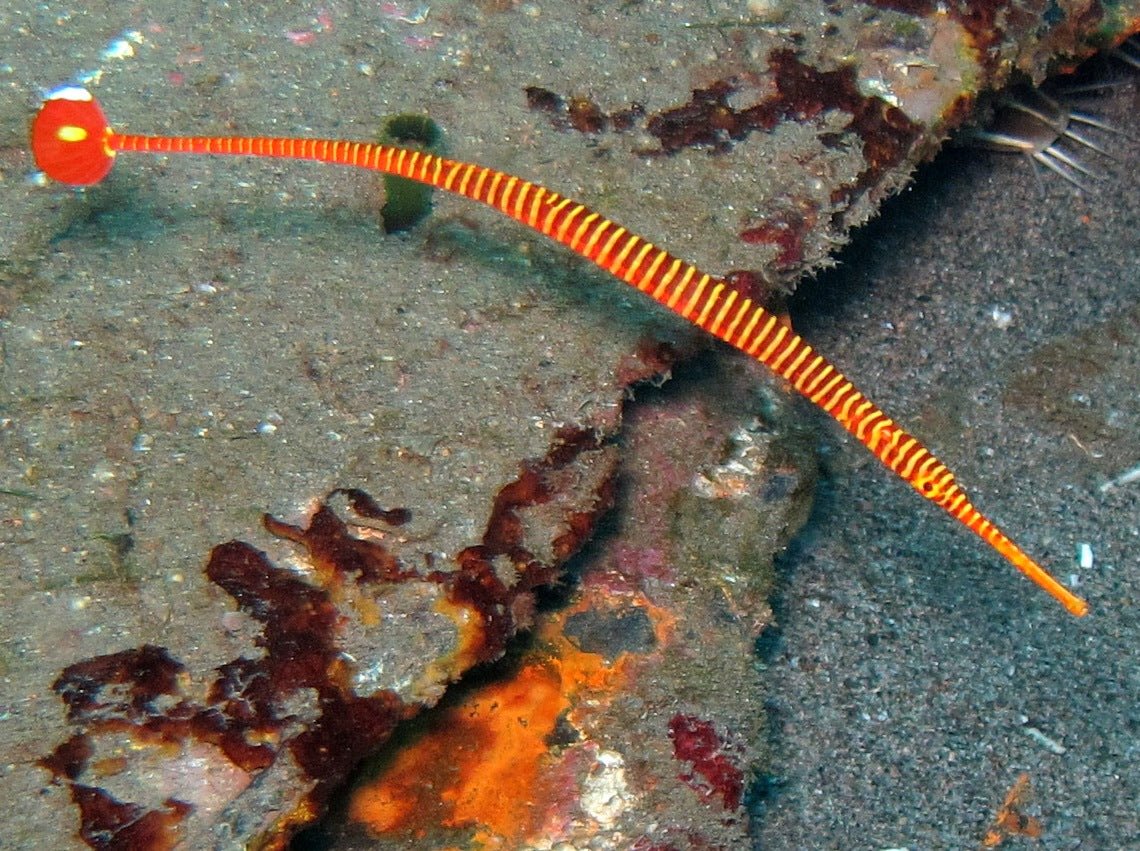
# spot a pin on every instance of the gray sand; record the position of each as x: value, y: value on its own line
x: 914, y: 665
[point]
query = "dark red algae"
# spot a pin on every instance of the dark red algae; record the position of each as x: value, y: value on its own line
x: 299, y: 636
x: 802, y: 93
x: 805, y: 91
x: 787, y: 237
x: 296, y: 695
x: 140, y: 686
x: 707, y: 120
x: 581, y: 113
x: 366, y: 506
x: 713, y: 772
x: 107, y: 823
x: 504, y: 608
x: 917, y: 8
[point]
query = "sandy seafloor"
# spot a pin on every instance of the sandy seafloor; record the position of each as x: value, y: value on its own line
x: 912, y: 664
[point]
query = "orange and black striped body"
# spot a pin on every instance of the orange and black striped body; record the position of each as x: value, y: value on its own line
x: 709, y: 302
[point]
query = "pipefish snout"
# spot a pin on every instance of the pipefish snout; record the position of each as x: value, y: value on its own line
x: 73, y: 143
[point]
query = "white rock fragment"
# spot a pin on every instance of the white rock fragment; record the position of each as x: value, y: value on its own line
x: 1125, y: 478
x: 605, y: 793
x: 1001, y: 316
x: 1050, y: 744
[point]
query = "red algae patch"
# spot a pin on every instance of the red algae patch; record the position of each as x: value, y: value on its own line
x: 714, y: 771
x: 151, y: 752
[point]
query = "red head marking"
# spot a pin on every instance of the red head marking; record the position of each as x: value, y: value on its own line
x: 69, y: 138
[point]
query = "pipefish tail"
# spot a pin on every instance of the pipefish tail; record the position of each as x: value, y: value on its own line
x: 73, y: 143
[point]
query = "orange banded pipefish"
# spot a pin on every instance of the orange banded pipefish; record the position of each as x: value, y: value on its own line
x: 73, y: 143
